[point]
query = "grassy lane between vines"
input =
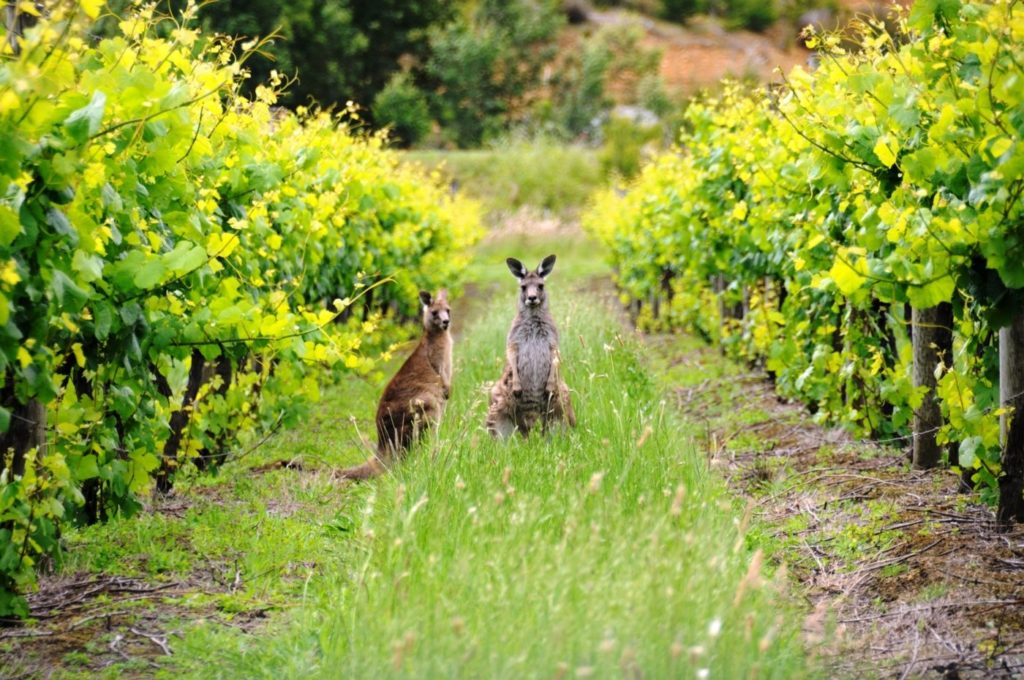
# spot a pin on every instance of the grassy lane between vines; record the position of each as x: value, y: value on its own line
x: 605, y: 550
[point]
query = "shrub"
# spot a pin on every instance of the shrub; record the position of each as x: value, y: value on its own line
x: 486, y: 66
x: 680, y: 10
x: 403, y: 108
x: 755, y: 15
x: 580, y: 92
x: 624, y: 143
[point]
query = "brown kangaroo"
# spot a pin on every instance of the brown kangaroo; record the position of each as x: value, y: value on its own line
x: 414, y: 400
x: 530, y: 388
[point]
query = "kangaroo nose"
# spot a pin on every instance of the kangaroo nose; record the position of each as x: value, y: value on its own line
x: 531, y: 298
x: 444, y: 323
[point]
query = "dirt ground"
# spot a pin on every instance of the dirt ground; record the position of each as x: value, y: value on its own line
x: 699, y: 55
x: 904, y: 575
x: 106, y: 625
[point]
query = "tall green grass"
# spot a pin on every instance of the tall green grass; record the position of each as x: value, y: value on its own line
x: 603, y: 551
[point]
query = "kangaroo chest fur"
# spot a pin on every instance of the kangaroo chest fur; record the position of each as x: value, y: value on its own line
x: 535, y: 338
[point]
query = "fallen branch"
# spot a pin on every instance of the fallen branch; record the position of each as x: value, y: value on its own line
x: 928, y: 608
x: 895, y: 560
x: 24, y: 634
x: 158, y: 640
x: 93, y: 617
x: 115, y: 646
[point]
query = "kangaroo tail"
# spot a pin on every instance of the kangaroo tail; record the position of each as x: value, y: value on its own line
x: 367, y: 470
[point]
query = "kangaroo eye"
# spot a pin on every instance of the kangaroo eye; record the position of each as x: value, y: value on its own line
x: 540, y: 286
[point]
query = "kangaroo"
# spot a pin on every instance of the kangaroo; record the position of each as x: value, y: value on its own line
x: 415, y: 398
x: 530, y: 388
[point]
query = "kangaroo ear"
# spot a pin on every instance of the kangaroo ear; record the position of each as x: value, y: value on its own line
x: 425, y: 298
x: 546, y: 266
x: 442, y: 295
x: 516, y: 267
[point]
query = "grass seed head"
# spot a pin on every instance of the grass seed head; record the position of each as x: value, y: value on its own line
x: 628, y: 664
x: 677, y: 501
x: 595, y: 481
x: 644, y: 436
x: 752, y: 579
x: 766, y: 641
x: 401, y: 648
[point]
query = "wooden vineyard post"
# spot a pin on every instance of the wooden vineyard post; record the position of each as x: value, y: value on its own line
x: 11, y: 24
x: 1011, y: 387
x: 25, y: 432
x: 932, y: 341
x: 718, y: 286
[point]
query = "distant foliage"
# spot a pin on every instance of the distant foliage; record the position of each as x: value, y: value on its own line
x: 680, y: 10
x: 402, y: 108
x: 622, y: 152
x: 797, y: 230
x: 755, y: 15
x: 485, y: 67
x: 581, y: 89
x: 337, y: 50
x: 178, y: 263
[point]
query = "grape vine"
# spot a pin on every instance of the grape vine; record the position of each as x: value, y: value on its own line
x: 798, y: 228
x: 178, y: 264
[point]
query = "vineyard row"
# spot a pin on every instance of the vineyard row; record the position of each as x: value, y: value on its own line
x: 858, y: 231
x: 178, y: 264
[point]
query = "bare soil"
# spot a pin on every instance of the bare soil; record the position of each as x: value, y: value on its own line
x: 82, y: 624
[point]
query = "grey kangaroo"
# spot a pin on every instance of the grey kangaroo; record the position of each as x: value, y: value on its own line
x: 530, y: 388
x: 414, y: 400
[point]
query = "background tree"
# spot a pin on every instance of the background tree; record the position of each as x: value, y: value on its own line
x: 339, y: 50
x: 487, y: 64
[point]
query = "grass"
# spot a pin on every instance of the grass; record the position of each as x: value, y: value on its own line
x: 602, y: 550
x: 536, y: 174
x: 576, y: 262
